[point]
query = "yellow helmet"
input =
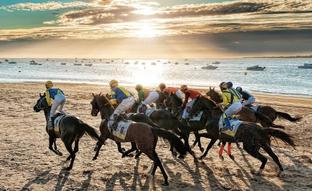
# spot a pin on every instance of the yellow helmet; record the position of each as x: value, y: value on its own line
x: 113, y: 83
x: 49, y: 84
x: 138, y: 87
x: 183, y: 88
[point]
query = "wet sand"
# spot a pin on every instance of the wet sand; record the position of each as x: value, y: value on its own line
x: 27, y: 164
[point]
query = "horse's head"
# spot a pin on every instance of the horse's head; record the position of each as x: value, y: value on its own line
x: 202, y: 103
x: 100, y: 103
x: 214, y: 95
x: 41, y: 104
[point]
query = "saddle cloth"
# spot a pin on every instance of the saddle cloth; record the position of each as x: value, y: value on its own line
x: 56, y: 123
x: 197, y: 116
x: 122, y: 129
x: 235, y: 123
x: 254, y: 107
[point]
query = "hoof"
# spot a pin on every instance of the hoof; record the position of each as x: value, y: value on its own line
x: 202, y: 150
x: 94, y: 158
x: 221, y: 157
x: 181, y: 156
x: 232, y: 157
x: 165, y: 184
x: 202, y: 157
x: 68, y: 168
x: 280, y: 173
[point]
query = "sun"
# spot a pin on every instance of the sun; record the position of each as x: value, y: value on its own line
x: 145, y: 30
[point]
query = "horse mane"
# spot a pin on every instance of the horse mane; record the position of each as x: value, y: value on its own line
x: 214, y: 95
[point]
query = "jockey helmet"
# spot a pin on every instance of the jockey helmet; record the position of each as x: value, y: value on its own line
x: 113, y: 83
x: 183, y: 88
x: 239, y: 89
x: 48, y: 84
x: 162, y: 86
x: 138, y: 87
x: 223, y: 86
x: 229, y: 84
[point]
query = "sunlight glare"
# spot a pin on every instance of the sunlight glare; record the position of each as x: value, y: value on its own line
x: 148, y: 75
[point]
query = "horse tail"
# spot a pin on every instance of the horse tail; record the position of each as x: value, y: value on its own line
x: 173, y: 140
x: 286, y: 138
x: 287, y: 116
x: 90, y: 130
x: 266, y: 121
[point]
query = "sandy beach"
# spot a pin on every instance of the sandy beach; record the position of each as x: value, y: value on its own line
x: 26, y: 163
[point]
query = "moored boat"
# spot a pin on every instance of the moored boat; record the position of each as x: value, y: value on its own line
x: 256, y: 68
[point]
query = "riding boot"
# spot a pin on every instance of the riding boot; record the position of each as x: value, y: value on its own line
x: 115, y: 122
x: 227, y: 123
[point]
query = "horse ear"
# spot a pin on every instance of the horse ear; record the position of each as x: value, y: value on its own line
x: 213, y: 88
x: 40, y: 95
x: 209, y: 88
x: 93, y: 94
x: 100, y: 93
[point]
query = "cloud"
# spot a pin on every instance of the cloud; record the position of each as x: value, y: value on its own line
x: 51, y: 5
x: 126, y: 19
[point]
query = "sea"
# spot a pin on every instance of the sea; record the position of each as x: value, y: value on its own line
x: 280, y: 76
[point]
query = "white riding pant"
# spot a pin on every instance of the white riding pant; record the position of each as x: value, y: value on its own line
x: 188, y: 106
x: 151, y: 98
x: 233, y: 109
x: 250, y: 101
x: 124, y: 106
x: 180, y: 94
x: 58, y: 103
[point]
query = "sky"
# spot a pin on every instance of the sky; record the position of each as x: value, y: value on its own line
x: 155, y: 28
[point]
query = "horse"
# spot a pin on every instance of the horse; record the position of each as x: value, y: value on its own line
x: 71, y: 130
x: 144, y: 136
x: 158, y: 119
x: 252, y: 135
x: 175, y: 104
x: 247, y: 114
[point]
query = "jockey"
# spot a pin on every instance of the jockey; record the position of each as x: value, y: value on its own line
x: 171, y: 90
x: 189, y: 93
x: 146, y: 97
x: 58, y: 97
x: 247, y: 97
x: 122, y: 97
x: 231, y: 103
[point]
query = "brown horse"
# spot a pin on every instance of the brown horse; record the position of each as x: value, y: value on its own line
x: 143, y: 135
x: 252, y: 135
x: 261, y: 115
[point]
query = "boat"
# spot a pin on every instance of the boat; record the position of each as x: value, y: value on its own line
x: 76, y: 64
x: 6, y: 60
x: 88, y: 64
x: 153, y: 63
x: 216, y: 62
x: 187, y: 63
x: 256, y: 68
x: 209, y: 67
x: 63, y: 63
x: 306, y: 66
x: 12, y: 62
x: 32, y: 62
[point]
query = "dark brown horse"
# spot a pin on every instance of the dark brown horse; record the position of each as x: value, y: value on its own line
x: 247, y: 114
x: 252, y: 135
x: 143, y: 135
x: 71, y: 130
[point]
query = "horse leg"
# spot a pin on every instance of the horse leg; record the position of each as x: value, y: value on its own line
x: 157, y: 162
x: 120, y: 149
x: 52, y: 141
x: 97, y: 149
x: 268, y: 149
x: 197, y: 141
x: 133, y: 148
x: 221, y: 150
x: 229, y: 151
x: 72, y: 156
x: 253, y: 151
x: 76, y: 148
x: 137, y: 155
x: 211, y: 143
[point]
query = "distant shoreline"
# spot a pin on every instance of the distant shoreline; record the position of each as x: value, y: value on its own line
x: 200, y: 88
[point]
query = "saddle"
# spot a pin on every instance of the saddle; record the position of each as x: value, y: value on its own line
x: 235, y: 123
x: 56, y: 120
